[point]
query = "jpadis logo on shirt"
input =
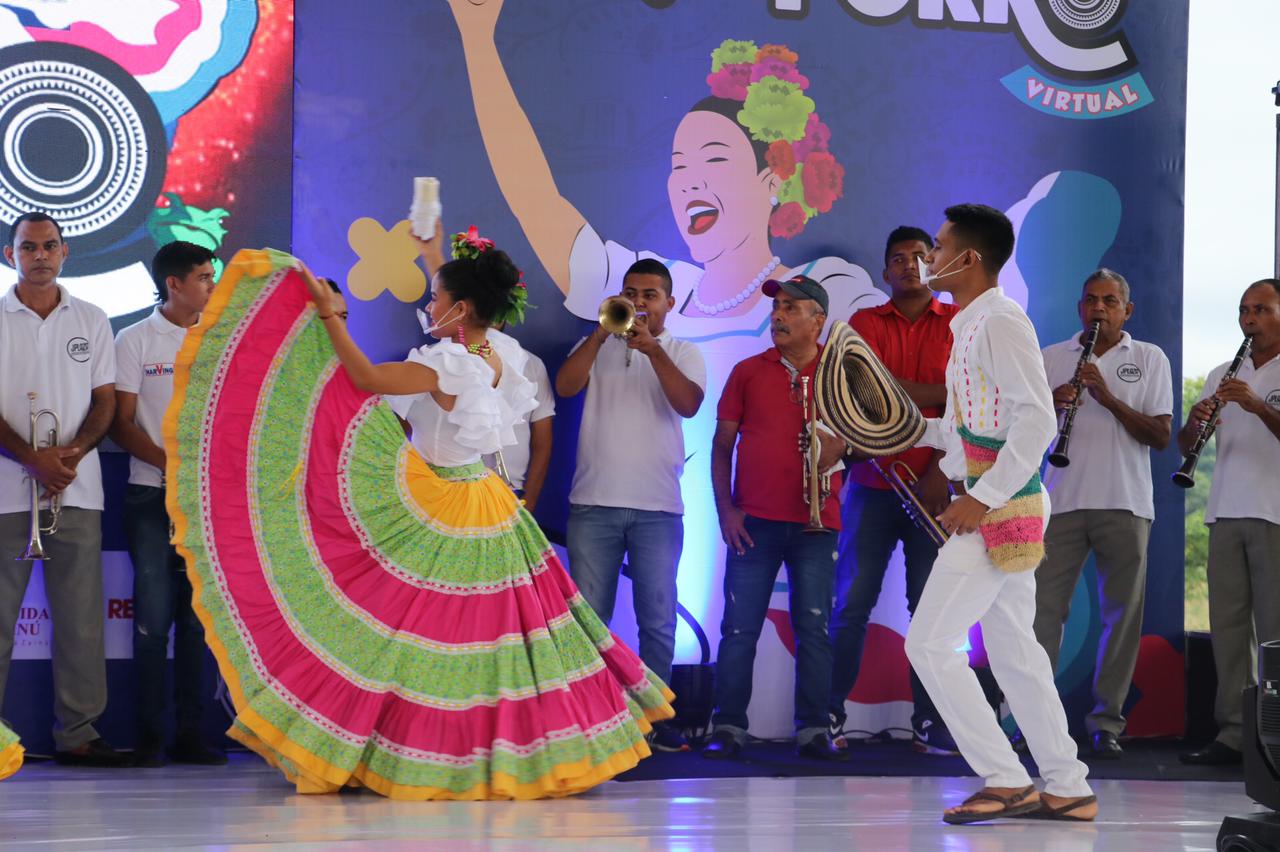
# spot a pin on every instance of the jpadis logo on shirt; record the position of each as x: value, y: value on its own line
x: 78, y: 349
x: 1129, y: 373
x: 1273, y: 398
x: 157, y: 371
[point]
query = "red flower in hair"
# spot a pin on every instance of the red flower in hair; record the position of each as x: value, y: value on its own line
x: 781, y: 158
x: 823, y: 180
x: 731, y: 82
x: 476, y: 241
x: 787, y: 221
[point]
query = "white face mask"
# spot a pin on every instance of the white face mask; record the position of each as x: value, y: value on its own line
x: 925, y: 277
x: 424, y: 319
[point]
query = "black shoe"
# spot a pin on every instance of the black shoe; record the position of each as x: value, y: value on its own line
x: 930, y: 737
x: 1214, y: 754
x: 94, y: 753
x: 835, y: 730
x: 822, y: 747
x: 196, y: 752
x: 666, y: 737
x: 721, y: 746
x: 1106, y: 746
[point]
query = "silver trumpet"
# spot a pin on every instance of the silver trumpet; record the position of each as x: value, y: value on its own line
x: 35, y: 544
x: 901, y: 485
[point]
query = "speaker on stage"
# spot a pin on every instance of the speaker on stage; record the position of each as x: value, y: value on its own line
x: 1261, y: 733
x: 1260, y: 742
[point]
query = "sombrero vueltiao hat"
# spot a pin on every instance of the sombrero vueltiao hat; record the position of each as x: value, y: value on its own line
x: 860, y: 400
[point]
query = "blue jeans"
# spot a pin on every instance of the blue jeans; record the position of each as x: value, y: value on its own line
x: 161, y: 600
x: 874, y: 523
x: 597, y: 538
x: 748, y: 585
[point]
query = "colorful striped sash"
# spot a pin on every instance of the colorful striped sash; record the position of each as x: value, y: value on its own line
x: 1014, y: 533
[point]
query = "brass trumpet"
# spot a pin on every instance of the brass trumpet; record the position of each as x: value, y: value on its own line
x: 817, y: 486
x: 618, y: 316
x: 911, y: 504
x: 35, y: 544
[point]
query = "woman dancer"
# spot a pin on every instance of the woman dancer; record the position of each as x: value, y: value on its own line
x: 385, y: 617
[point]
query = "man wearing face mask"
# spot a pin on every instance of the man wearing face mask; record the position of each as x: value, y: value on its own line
x: 763, y: 520
x: 997, y: 424
x: 1243, y: 514
x: 625, y: 500
x: 912, y: 336
x: 1102, y: 500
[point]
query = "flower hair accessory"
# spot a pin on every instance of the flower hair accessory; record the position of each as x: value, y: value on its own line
x: 469, y: 245
x: 776, y: 110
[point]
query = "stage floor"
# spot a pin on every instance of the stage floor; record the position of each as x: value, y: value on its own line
x: 248, y: 804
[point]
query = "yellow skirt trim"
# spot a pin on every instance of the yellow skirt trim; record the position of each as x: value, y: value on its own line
x: 10, y: 760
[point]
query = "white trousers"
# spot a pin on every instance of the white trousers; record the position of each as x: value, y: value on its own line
x: 966, y: 588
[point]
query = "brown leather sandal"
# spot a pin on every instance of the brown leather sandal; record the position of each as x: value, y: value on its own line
x: 1012, y: 805
x: 1063, y: 813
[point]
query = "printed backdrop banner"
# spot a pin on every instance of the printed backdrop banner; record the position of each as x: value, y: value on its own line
x: 564, y: 130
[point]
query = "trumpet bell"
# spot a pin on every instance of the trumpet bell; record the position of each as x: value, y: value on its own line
x: 617, y: 315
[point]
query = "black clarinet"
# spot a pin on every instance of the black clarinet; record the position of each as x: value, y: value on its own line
x: 1185, y: 476
x: 1058, y: 458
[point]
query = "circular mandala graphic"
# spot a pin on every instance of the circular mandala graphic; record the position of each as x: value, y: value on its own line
x: 79, y: 139
x: 1085, y: 15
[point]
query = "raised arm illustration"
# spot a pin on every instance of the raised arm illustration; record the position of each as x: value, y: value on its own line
x: 548, y: 220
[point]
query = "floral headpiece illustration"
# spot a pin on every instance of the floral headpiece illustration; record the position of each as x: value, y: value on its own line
x: 776, y: 110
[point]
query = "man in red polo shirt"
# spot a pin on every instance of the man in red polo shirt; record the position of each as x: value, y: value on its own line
x: 763, y: 520
x: 911, y: 334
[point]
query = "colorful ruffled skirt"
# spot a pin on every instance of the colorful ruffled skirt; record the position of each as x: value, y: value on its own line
x: 380, y: 622
x: 10, y: 752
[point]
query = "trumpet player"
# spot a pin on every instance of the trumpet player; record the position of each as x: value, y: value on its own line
x: 1102, y: 500
x: 911, y: 334
x: 625, y: 499
x: 765, y: 520
x: 59, y: 348
x: 1243, y: 513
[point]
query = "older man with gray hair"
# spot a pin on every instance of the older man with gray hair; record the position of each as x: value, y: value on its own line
x: 1102, y: 499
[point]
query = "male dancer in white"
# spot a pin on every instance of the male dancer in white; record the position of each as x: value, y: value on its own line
x: 998, y: 422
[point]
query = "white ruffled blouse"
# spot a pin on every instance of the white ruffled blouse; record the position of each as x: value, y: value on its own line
x: 483, y: 416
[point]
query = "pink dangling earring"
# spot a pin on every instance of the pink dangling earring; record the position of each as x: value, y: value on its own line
x: 462, y: 337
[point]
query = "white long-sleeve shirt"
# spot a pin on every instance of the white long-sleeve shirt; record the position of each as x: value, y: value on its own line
x: 996, y: 388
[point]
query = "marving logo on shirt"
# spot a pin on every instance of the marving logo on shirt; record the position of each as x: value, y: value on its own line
x: 78, y: 349
x: 1129, y: 373
x: 157, y: 371
x: 1273, y: 398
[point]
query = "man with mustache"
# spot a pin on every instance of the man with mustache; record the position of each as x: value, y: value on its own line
x: 60, y: 348
x: 1243, y: 514
x: 625, y: 500
x: 912, y: 336
x: 763, y: 518
x: 1102, y: 500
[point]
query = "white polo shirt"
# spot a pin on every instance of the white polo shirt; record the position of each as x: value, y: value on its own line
x: 1109, y: 468
x: 145, y: 353
x: 1245, y: 473
x: 62, y: 358
x: 516, y: 457
x: 631, y: 442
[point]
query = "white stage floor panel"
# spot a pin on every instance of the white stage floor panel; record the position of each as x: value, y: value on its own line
x: 248, y: 805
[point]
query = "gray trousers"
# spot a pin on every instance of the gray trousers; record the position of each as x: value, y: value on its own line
x: 1244, y: 609
x: 73, y: 585
x: 1118, y: 540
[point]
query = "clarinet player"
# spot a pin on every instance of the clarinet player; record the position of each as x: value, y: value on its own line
x: 1119, y: 406
x: 1243, y: 512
